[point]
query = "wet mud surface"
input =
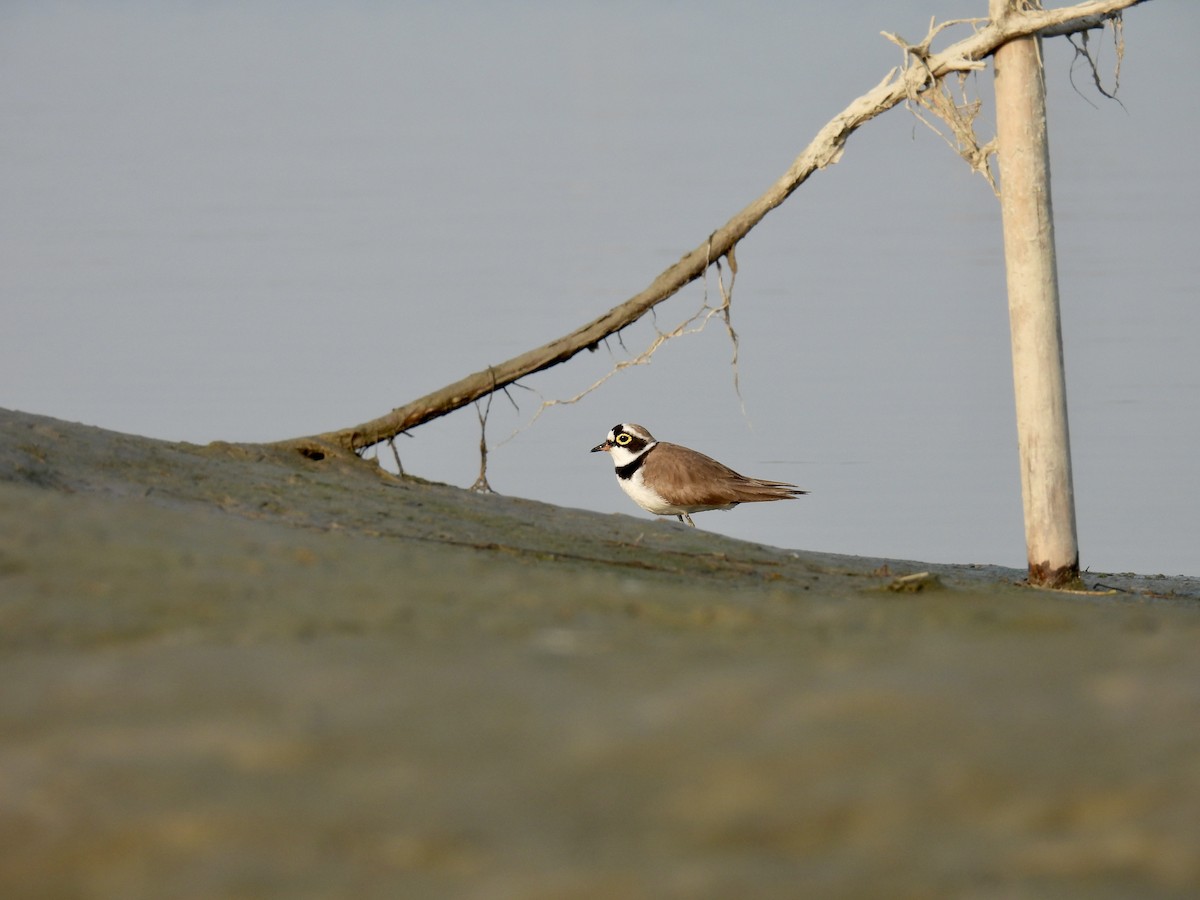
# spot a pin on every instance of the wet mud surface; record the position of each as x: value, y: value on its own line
x: 232, y: 671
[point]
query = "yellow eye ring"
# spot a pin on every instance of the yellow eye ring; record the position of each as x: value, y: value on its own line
x: 623, y: 439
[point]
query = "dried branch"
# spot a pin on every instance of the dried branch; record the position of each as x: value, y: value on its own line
x: 391, y: 442
x: 826, y: 148
x: 481, y: 483
x: 1082, y: 50
x: 688, y: 326
x: 957, y: 113
x: 703, y: 315
x: 726, y: 310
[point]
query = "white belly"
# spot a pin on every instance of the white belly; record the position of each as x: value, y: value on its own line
x: 651, y: 501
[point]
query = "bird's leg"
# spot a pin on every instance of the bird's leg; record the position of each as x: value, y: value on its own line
x: 684, y: 517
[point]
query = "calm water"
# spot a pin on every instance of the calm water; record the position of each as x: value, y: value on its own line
x: 257, y: 221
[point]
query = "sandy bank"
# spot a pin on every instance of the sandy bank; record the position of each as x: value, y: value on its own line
x: 229, y: 672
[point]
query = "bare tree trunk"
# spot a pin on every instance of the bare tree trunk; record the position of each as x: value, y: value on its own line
x: 1038, y: 375
x: 825, y: 149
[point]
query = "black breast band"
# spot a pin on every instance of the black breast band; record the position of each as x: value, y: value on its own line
x: 626, y: 471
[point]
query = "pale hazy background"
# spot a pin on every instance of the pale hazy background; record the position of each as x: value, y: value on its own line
x: 259, y: 220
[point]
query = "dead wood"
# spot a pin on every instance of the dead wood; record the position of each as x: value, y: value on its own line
x: 825, y: 149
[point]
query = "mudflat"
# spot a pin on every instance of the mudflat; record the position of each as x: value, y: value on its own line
x: 233, y: 671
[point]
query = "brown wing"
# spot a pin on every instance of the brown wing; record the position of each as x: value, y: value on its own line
x: 687, y: 477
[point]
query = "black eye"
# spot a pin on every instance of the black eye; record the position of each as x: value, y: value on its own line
x: 623, y: 439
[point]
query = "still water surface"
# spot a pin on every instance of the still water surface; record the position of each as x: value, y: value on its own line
x: 258, y: 221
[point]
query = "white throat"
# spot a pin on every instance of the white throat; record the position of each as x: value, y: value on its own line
x: 622, y: 456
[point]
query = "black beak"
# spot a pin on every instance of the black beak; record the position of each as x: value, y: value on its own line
x: 603, y: 446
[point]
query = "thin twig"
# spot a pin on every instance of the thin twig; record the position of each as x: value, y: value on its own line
x: 481, y: 485
x: 396, y: 455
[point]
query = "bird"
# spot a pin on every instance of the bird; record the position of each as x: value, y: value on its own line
x: 672, y: 480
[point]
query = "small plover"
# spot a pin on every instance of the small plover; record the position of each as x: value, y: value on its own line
x: 670, y: 480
